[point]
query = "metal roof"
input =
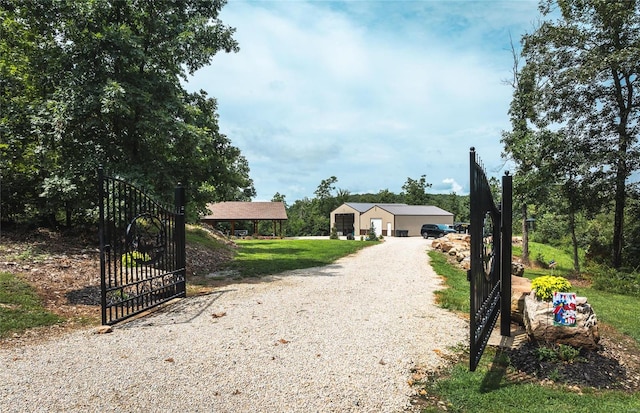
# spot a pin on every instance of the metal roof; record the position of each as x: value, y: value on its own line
x: 401, y: 209
x: 365, y: 206
x: 417, y: 210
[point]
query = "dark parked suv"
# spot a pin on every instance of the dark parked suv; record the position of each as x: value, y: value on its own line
x: 435, y: 230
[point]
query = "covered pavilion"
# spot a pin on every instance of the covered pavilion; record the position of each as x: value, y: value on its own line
x: 246, y: 211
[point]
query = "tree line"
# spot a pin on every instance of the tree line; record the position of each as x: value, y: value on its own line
x: 311, y: 216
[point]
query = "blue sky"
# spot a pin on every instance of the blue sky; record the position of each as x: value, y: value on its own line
x: 372, y: 92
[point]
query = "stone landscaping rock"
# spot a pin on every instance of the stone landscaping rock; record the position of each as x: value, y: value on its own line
x: 538, y: 321
x: 517, y: 269
x: 520, y: 289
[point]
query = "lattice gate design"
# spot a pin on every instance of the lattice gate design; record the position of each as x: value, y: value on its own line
x: 142, y: 249
x: 490, y: 273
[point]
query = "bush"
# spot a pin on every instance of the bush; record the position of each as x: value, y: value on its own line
x: 546, y: 285
x: 334, y: 233
x: 371, y: 235
x: 131, y: 259
x: 560, y: 352
x: 550, y: 229
x: 614, y: 281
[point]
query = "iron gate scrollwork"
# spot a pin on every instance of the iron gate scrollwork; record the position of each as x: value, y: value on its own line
x: 490, y: 272
x: 142, y: 249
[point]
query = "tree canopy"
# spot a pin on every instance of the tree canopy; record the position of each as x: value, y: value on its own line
x: 414, y: 191
x: 87, y: 83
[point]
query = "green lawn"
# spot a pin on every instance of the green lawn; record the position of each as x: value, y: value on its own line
x: 491, y: 388
x: 456, y: 296
x: 20, y: 307
x: 616, y: 310
x: 263, y: 257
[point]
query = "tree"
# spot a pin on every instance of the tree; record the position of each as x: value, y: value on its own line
x: 587, y: 68
x: 549, y: 165
x: 342, y: 196
x: 278, y: 197
x: 522, y: 147
x: 386, y: 196
x: 106, y: 79
x: 324, y: 200
x: 414, y: 191
x: 27, y: 71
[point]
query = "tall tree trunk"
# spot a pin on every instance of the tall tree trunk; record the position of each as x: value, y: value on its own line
x: 525, y: 236
x: 618, y: 240
x: 574, y: 241
x: 624, y: 102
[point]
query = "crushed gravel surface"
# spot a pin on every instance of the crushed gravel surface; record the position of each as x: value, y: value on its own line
x: 340, y: 338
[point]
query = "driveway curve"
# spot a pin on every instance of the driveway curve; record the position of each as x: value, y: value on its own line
x: 339, y: 338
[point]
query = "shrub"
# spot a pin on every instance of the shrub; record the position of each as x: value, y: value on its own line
x: 560, y: 352
x: 568, y: 353
x: 130, y: 259
x: 614, y: 281
x: 371, y: 235
x: 334, y: 233
x: 545, y: 353
x: 547, y: 284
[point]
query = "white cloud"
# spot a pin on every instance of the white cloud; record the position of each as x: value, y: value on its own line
x: 454, y: 187
x: 371, y: 92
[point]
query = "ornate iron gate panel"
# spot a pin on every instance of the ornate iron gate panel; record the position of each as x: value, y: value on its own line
x: 142, y: 249
x: 490, y: 273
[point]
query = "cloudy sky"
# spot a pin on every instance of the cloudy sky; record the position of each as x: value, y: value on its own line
x: 372, y: 92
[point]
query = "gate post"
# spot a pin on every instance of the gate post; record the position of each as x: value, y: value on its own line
x: 505, y: 266
x: 181, y: 238
x: 101, y: 236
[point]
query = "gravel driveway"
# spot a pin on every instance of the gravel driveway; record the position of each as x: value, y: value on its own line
x: 340, y: 338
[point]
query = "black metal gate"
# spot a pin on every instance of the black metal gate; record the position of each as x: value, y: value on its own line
x: 490, y: 273
x: 142, y: 249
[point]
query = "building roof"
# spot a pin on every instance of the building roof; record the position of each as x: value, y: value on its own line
x: 401, y: 209
x: 365, y: 206
x: 418, y: 210
x: 238, y: 211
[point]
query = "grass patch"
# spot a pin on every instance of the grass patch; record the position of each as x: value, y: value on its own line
x: 264, y: 257
x: 20, y: 307
x: 542, y: 254
x: 456, y: 296
x: 617, y: 310
x: 491, y: 388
